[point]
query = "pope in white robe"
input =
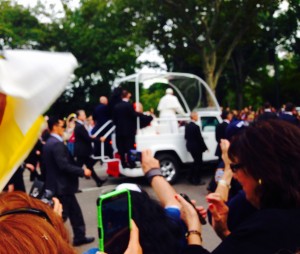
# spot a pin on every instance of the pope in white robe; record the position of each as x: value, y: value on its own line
x: 168, y: 107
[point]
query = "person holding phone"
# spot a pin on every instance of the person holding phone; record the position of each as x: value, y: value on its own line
x: 149, y: 216
x: 157, y: 227
x: 265, y: 159
x: 133, y: 247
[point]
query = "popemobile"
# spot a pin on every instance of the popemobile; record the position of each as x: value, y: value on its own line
x: 167, y: 145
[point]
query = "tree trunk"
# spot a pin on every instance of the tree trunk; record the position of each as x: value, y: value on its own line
x: 212, y: 81
x: 209, y: 66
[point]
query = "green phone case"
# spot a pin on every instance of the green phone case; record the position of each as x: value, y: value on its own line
x: 99, y: 212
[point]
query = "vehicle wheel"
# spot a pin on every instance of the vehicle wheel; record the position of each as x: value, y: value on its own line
x: 169, y: 166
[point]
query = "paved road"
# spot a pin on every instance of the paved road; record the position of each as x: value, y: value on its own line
x: 90, y: 192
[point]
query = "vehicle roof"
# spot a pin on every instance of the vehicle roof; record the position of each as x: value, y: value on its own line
x: 171, y: 78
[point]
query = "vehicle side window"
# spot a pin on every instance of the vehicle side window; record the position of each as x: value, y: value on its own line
x: 209, y: 123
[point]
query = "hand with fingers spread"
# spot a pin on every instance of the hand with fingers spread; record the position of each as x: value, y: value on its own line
x: 219, y: 211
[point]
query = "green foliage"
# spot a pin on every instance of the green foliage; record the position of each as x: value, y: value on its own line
x: 150, y: 97
x: 18, y: 27
x: 232, y: 44
x: 217, y: 38
x: 99, y: 35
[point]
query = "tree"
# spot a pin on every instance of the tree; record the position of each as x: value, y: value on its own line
x: 99, y: 34
x: 200, y: 35
x: 18, y: 27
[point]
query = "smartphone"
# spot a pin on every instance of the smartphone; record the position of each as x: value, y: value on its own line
x: 114, y: 214
x: 135, y: 155
x: 186, y: 197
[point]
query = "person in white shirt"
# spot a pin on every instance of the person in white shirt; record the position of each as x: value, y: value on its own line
x: 168, y: 107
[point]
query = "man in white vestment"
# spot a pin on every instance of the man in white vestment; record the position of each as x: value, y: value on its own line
x: 168, y: 107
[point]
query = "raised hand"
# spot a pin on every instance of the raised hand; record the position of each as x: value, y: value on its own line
x: 219, y: 211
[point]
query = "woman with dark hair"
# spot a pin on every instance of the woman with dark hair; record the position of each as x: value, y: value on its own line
x: 160, y: 231
x: 266, y: 162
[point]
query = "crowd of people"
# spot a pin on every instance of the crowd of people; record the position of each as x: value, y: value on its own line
x: 248, y: 114
x: 253, y: 200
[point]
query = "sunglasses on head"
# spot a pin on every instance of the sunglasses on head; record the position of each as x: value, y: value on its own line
x: 28, y: 210
x: 235, y: 167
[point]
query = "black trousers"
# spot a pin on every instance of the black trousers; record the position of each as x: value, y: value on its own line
x: 195, y: 172
x: 124, y: 145
x: 72, y: 210
x: 89, y: 163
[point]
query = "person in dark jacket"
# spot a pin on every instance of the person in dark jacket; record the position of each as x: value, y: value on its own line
x: 196, y: 146
x: 265, y: 160
x: 62, y: 178
x: 124, y: 118
x: 289, y: 114
x: 83, y: 149
x: 221, y: 131
x: 267, y: 113
x: 101, y: 116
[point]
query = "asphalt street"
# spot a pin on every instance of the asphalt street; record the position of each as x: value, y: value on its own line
x: 90, y: 192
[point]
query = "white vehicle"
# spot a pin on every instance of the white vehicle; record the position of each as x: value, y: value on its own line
x: 169, y: 147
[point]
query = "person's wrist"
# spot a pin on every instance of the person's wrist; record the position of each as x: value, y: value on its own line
x: 151, y: 173
x: 224, y: 183
x: 193, y: 237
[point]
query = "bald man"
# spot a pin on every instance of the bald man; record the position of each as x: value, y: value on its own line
x: 196, y: 146
x: 101, y: 116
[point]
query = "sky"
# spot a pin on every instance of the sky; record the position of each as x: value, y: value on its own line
x: 57, y: 3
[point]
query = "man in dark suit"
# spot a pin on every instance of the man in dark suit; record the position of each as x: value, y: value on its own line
x: 267, y: 113
x: 124, y: 118
x: 83, y: 146
x: 196, y: 146
x: 62, y: 178
x: 289, y: 114
x: 101, y: 115
x: 221, y: 130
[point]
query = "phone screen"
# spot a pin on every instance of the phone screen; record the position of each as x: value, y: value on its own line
x: 115, y: 223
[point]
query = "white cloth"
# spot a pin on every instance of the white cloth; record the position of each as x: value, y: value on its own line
x: 168, y: 106
x: 35, y: 79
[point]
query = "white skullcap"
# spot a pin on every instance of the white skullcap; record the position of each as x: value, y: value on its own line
x: 169, y: 91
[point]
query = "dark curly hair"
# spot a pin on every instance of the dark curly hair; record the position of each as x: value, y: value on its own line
x: 159, y: 234
x: 270, y: 151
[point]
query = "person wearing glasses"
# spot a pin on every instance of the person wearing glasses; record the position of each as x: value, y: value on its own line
x: 239, y: 207
x: 83, y: 146
x: 265, y: 159
x: 62, y: 178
